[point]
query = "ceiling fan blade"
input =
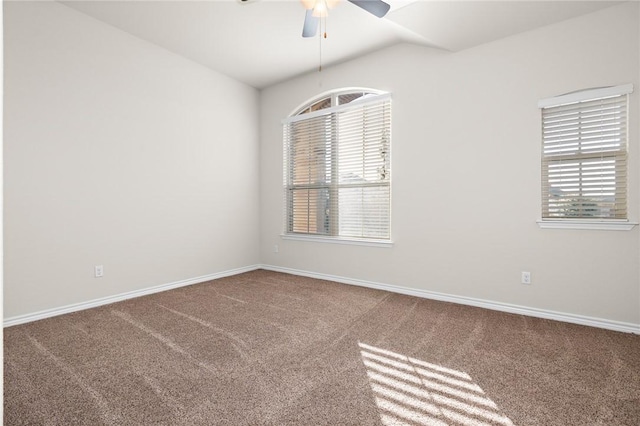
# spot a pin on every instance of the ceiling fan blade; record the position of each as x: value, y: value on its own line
x: 375, y: 7
x: 310, y: 28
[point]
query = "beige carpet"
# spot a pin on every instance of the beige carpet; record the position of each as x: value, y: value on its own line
x: 264, y: 348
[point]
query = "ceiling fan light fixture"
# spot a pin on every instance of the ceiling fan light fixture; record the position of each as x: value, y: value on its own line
x: 320, y: 10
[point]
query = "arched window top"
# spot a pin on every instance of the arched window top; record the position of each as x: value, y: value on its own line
x: 335, y: 98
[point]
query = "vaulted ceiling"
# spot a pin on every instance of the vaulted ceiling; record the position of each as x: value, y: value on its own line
x: 259, y: 42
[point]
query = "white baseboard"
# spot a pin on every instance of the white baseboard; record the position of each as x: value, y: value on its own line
x: 470, y: 301
x: 487, y: 304
x: 22, y: 319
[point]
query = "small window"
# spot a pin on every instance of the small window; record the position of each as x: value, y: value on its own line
x: 584, y: 154
x: 337, y: 167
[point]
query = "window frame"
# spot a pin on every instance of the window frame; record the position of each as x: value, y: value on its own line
x: 307, y: 112
x: 586, y: 222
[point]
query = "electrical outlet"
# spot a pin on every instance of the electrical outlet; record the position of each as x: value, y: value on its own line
x: 276, y: 249
x: 99, y: 270
x: 526, y: 277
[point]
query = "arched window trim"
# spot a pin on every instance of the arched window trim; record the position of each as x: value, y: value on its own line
x: 334, y: 96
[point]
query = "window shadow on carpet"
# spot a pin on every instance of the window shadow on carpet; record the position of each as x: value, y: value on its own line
x: 410, y: 391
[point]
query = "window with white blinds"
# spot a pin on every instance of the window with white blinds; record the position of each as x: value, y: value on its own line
x: 584, y: 154
x: 337, y: 167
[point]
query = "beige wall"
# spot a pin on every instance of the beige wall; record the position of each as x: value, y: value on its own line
x: 118, y: 153
x: 466, y: 171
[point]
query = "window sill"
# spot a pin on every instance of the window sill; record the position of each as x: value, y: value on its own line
x: 339, y: 240
x: 599, y: 225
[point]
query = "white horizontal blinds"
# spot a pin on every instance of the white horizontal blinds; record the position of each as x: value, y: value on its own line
x: 308, y: 174
x: 337, y: 170
x: 364, y: 171
x: 584, y: 159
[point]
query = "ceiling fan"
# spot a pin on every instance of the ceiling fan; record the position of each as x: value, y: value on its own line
x: 316, y: 9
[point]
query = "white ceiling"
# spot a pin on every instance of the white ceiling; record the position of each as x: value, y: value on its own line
x: 260, y: 42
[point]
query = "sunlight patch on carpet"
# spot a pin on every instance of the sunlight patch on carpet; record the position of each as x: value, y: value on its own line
x: 411, y: 391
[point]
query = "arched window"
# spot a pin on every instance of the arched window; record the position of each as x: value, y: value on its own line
x: 337, y: 166
x: 335, y: 98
